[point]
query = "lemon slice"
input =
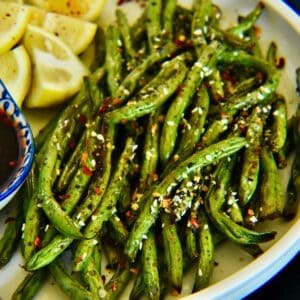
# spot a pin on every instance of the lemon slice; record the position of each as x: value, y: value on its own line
x: 85, y: 9
x: 57, y: 71
x: 14, y: 18
x: 14, y: 1
x: 76, y: 33
x: 15, y: 72
x: 36, y: 15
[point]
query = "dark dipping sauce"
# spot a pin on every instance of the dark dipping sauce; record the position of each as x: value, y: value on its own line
x: 9, y: 148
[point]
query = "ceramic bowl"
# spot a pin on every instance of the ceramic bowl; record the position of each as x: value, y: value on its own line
x: 25, y: 141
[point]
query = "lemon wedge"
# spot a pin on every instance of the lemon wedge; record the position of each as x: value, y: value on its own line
x: 88, y: 10
x: 57, y: 71
x: 14, y: 18
x: 15, y: 72
x: 76, y: 33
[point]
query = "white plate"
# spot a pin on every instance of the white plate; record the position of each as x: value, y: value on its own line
x: 236, y: 274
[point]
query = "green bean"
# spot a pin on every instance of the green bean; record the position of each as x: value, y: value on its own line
x: 293, y: 189
x: 229, y: 39
x: 292, y: 202
x: 32, y: 218
x: 138, y: 30
x: 271, y: 194
x: 216, y: 85
x: 202, y: 11
x: 271, y: 54
x: 60, y: 219
x: 206, y: 258
x: 117, y: 283
x: 235, y: 212
x: 126, y: 37
x: 250, y: 167
x: 30, y: 285
x: 150, y: 268
x: 97, y: 257
x: 71, y: 166
x: 247, y: 22
x: 92, y: 278
x: 255, y: 48
x: 191, y: 135
x: 113, y: 59
x: 137, y: 289
x: 99, y: 59
x: 173, y: 252
x: 168, y: 18
x: 185, y: 169
x: 202, y: 68
x: 279, y: 124
x: 214, y: 203
x: 298, y: 80
x: 130, y: 82
x: 153, y: 10
x: 150, y: 151
x: 154, y: 94
x: 101, y: 177
x: 191, y: 230
x: 12, y: 232
x: 118, y: 229
x: 253, y: 249
x: 113, y: 255
x: 87, y: 165
x: 68, y: 284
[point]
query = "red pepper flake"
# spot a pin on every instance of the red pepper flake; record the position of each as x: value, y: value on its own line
x: 194, y: 222
x: 103, y: 277
x: 82, y: 119
x: 37, y: 242
x: 98, y: 191
x: 260, y: 77
x: 280, y: 63
x: 180, y: 89
x: 114, y: 286
x: 78, y: 259
x: 12, y: 163
x: 63, y: 196
x: 9, y: 219
x: 87, y: 171
x: 228, y: 77
x: 128, y: 214
x: 72, y: 145
x: 103, y: 108
x: 116, y: 101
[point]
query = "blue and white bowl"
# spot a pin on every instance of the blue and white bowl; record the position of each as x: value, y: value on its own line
x: 26, y: 146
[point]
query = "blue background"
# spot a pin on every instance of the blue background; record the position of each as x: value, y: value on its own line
x: 286, y: 284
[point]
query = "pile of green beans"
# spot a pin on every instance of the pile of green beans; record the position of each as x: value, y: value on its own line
x: 172, y: 146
